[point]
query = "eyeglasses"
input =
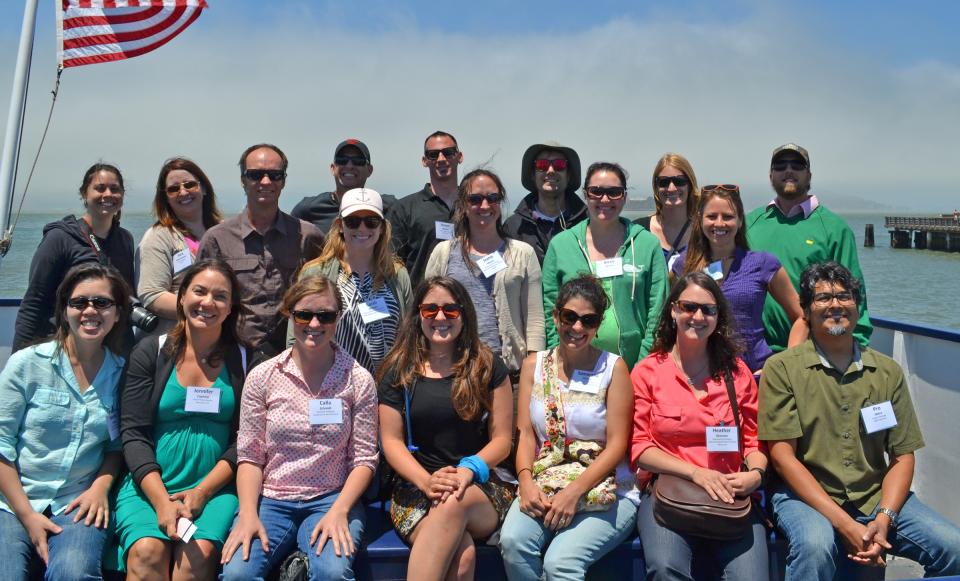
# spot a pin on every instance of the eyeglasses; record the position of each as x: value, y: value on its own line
x: 343, y: 160
x: 114, y: 188
x: 724, y: 187
x: 677, y: 181
x: 824, y: 299
x: 434, y: 154
x: 303, y: 317
x: 353, y: 222
x: 598, y: 192
x: 256, y: 175
x: 794, y: 164
x: 570, y: 318
x: 545, y: 164
x: 450, y: 310
x: 98, y: 303
x: 189, y: 185
x: 691, y: 308
x: 493, y: 199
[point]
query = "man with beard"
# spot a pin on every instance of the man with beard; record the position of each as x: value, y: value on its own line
x: 796, y: 228
x: 832, y: 412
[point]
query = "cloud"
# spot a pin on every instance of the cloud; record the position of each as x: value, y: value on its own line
x: 628, y: 90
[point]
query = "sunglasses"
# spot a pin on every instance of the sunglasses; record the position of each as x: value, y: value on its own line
x: 691, y: 308
x: 546, y: 164
x: 677, y: 181
x: 114, y: 188
x: 434, y: 154
x: 794, y: 164
x: 98, y: 303
x: 450, y: 310
x: 353, y: 222
x: 598, y: 192
x: 824, y: 299
x: 189, y: 185
x: 493, y: 199
x: 343, y: 160
x: 256, y: 175
x: 303, y: 317
x: 724, y: 187
x: 570, y: 318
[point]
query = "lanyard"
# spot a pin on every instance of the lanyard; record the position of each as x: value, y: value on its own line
x: 94, y: 245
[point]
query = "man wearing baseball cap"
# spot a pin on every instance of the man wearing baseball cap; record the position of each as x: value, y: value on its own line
x: 551, y: 173
x: 800, y: 231
x: 350, y: 169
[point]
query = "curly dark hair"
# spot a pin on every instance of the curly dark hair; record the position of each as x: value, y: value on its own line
x: 586, y: 286
x: 723, y: 345
x: 831, y: 272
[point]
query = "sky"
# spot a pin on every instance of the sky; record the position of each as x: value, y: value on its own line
x: 871, y: 89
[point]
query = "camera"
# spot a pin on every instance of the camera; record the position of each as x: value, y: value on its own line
x: 141, y: 318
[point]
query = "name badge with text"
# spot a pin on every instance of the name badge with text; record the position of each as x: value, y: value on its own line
x: 326, y: 411
x: 878, y: 417
x: 182, y: 260
x: 610, y: 267
x: 715, y: 270
x: 723, y: 439
x: 185, y: 529
x: 585, y: 381
x: 443, y: 230
x: 204, y: 400
x: 374, y: 310
x: 491, y: 264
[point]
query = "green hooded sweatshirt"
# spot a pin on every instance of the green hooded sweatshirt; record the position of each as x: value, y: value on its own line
x: 638, y: 293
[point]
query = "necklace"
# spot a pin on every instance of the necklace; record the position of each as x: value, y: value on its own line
x: 688, y: 377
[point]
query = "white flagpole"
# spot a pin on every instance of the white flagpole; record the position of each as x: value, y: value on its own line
x: 18, y: 103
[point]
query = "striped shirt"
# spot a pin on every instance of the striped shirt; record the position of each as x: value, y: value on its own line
x: 368, y: 343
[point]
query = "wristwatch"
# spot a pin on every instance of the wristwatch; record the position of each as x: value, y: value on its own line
x: 763, y: 474
x: 892, y: 514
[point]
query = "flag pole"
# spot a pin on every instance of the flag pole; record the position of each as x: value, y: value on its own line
x: 18, y: 104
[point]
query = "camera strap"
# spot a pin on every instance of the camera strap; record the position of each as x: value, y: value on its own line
x: 93, y: 243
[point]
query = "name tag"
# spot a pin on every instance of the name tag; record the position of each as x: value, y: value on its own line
x: 204, y: 400
x: 878, y: 417
x: 182, y: 260
x: 610, y: 267
x: 491, y: 264
x: 443, y: 230
x: 326, y: 411
x: 715, y: 270
x: 113, y: 425
x: 723, y: 439
x: 374, y: 310
x: 185, y: 529
x: 585, y: 381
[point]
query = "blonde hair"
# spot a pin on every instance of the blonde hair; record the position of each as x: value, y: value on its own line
x: 677, y: 161
x: 385, y: 262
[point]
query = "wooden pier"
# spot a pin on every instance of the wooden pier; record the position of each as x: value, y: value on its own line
x: 940, y: 233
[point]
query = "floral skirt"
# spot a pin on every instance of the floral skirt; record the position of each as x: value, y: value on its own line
x: 408, y: 504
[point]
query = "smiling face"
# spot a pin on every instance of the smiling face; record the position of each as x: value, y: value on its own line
x: 605, y: 208
x: 348, y: 173
x: 443, y: 167
x: 720, y: 222
x: 791, y: 176
x: 577, y: 336
x: 187, y: 201
x: 551, y: 182
x: 696, y: 326
x: 87, y: 324
x: 361, y: 238
x: 104, y: 194
x: 673, y: 196
x: 833, y: 311
x: 263, y: 194
x: 315, y: 335
x: 206, y: 303
x: 484, y: 215
x: 440, y: 330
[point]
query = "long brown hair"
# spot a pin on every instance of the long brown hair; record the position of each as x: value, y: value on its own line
x: 461, y: 224
x: 677, y: 161
x: 473, y: 361
x: 385, y: 262
x: 161, y: 202
x: 698, y: 249
x: 120, y: 293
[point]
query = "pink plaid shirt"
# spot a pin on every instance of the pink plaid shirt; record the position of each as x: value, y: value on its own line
x: 302, y: 461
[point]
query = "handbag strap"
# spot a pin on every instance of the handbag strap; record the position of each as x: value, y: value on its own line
x: 732, y: 395
x: 550, y: 368
x: 673, y: 248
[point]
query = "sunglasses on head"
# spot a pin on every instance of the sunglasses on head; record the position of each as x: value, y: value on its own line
x: 794, y: 164
x: 545, y: 164
x: 256, y: 175
x: 189, y: 185
x: 570, y: 318
x: 303, y: 317
x: 343, y: 160
x: 450, y: 310
x: 677, y: 181
x: 493, y: 199
x: 114, y: 188
x: 353, y: 222
x: 723, y: 187
x: 434, y: 154
x: 98, y: 303
x: 691, y: 308
x: 598, y: 192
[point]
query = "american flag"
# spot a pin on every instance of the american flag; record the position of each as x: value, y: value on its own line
x: 99, y: 31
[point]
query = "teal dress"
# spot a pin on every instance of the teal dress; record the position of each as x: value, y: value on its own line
x: 188, y: 446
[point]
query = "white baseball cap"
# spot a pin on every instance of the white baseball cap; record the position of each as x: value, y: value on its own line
x: 361, y: 199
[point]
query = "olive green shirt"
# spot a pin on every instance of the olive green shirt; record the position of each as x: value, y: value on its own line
x: 805, y: 398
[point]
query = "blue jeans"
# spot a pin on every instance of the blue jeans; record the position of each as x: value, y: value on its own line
x: 75, y: 553
x: 289, y: 524
x: 817, y: 552
x: 669, y: 555
x: 571, y: 551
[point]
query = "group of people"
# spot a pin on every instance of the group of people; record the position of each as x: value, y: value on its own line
x: 541, y: 379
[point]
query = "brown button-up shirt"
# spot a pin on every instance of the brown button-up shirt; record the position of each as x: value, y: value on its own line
x: 264, y: 264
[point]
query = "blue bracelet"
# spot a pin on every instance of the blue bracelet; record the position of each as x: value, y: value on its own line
x: 481, y: 473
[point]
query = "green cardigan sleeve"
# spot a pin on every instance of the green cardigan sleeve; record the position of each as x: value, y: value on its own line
x: 551, y: 287
x: 846, y: 254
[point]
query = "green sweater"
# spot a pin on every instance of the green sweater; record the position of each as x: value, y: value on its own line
x: 799, y: 242
x: 638, y: 293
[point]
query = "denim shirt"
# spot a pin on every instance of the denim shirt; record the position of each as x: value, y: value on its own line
x: 55, y: 435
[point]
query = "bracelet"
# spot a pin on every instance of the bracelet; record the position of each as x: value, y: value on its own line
x: 519, y: 472
x: 763, y: 474
x: 481, y: 472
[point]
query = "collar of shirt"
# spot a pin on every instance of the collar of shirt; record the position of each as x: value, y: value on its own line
x: 860, y: 360
x: 102, y: 383
x: 807, y: 207
x: 287, y: 366
x: 246, y: 227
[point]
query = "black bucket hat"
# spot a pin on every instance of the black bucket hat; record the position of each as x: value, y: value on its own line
x: 573, y: 165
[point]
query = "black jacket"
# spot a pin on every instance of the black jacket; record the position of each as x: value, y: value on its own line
x: 525, y: 227
x: 142, y: 385
x: 64, y: 245
x: 413, y: 219
x: 321, y: 210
